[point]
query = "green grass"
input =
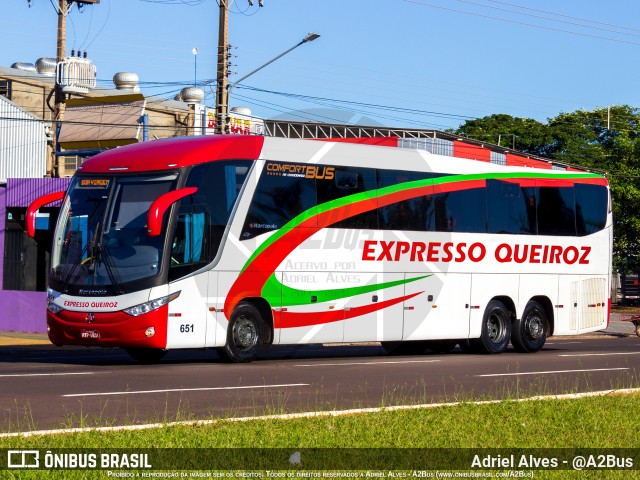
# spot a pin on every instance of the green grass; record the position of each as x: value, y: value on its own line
x: 603, y: 422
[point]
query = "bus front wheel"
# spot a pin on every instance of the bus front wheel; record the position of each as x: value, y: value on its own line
x: 530, y: 332
x: 245, y: 335
x: 496, y: 329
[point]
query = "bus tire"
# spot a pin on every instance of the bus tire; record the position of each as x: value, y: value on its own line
x: 146, y: 355
x: 496, y: 329
x: 404, y: 348
x: 245, y: 335
x: 442, y: 346
x: 530, y: 332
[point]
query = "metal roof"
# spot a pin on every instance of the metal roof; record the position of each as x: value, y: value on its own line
x: 23, y: 143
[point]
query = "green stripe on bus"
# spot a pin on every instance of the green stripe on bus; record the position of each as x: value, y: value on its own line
x: 276, y: 293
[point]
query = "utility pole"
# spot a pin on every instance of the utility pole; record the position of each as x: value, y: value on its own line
x: 222, y: 78
x: 64, y: 7
x: 59, y: 99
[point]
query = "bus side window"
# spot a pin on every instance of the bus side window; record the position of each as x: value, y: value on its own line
x: 415, y: 214
x: 280, y: 196
x: 556, y: 211
x: 349, y: 181
x: 203, y: 216
x: 591, y: 208
x: 508, y: 209
x: 461, y: 211
x: 189, y: 239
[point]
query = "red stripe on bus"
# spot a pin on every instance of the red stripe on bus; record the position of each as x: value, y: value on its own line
x: 289, y: 319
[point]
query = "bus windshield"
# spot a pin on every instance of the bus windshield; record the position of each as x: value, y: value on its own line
x: 101, y: 238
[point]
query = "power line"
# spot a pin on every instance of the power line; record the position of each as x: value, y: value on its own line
x: 545, y: 18
x: 517, y: 22
x: 565, y: 16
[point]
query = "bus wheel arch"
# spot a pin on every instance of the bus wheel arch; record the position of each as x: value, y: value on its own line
x: 267, y: 316
x: 496, y: 328
x: 247, y: 333
x: 531, y: 330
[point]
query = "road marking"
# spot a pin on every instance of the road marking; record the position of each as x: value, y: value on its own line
x: 171, y: 390
x: 317, y: 414
x: 561, y: 343
x: 400, y: 362
x: 49, y: 374
x: 597, y: 354
x: 551, y: 371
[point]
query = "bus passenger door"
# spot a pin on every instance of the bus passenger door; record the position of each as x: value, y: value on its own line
x: 374, y: 315
x: 437, y: 307
x: 188, y: 313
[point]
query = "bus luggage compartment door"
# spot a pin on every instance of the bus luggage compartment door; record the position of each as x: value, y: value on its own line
x: 374, y: 315
x: 440, y: 310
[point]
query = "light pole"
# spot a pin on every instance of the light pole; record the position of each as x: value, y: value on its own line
x: 309, y: 38
x: 195, y: 66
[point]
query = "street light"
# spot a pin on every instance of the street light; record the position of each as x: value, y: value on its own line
x: 195, y: 66
x: 309, y: 38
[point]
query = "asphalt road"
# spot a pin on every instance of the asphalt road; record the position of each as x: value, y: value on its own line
x: 44, y: 387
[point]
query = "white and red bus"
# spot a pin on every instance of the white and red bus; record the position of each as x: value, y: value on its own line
x: 238, y: 242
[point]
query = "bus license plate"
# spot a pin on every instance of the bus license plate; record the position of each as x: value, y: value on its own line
x: 90, y: 334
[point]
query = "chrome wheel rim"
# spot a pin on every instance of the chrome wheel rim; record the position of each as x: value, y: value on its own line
x: 496, y: 328
x: 245, y: 333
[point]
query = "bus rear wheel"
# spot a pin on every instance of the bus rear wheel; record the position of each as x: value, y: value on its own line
x: 245, y: 334
x: 496, y: 329
x: 530, y: 332
x: 146, y: 355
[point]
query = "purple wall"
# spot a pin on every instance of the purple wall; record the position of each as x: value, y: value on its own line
x: 22, y: 191
x: 3, y: 216
x: 23, y: 311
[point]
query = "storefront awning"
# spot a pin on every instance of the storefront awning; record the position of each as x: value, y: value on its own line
x: 101, y: 122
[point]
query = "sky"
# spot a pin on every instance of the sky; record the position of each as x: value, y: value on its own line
x: 430, y: 64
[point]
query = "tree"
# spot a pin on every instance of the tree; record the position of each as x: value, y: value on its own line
x: 607, y: 140
x: 522, y: 134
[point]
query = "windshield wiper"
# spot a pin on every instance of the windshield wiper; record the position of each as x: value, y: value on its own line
x: 103, y: 254
x: 65, y: 284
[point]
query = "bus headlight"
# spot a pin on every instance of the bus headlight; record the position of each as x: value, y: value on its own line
x: 151, y: 305
x: 52, y: 307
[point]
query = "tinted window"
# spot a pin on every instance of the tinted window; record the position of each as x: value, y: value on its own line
x: 461, y: 211
x: 283, y: 192
x: 203, y: 216
x: 344, y: 182
x: 556, y: 211
x: 412, y: 214
x: 591, y: 208
x: 511, y: 208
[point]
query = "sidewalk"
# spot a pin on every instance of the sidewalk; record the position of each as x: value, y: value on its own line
x: 8, y: 339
